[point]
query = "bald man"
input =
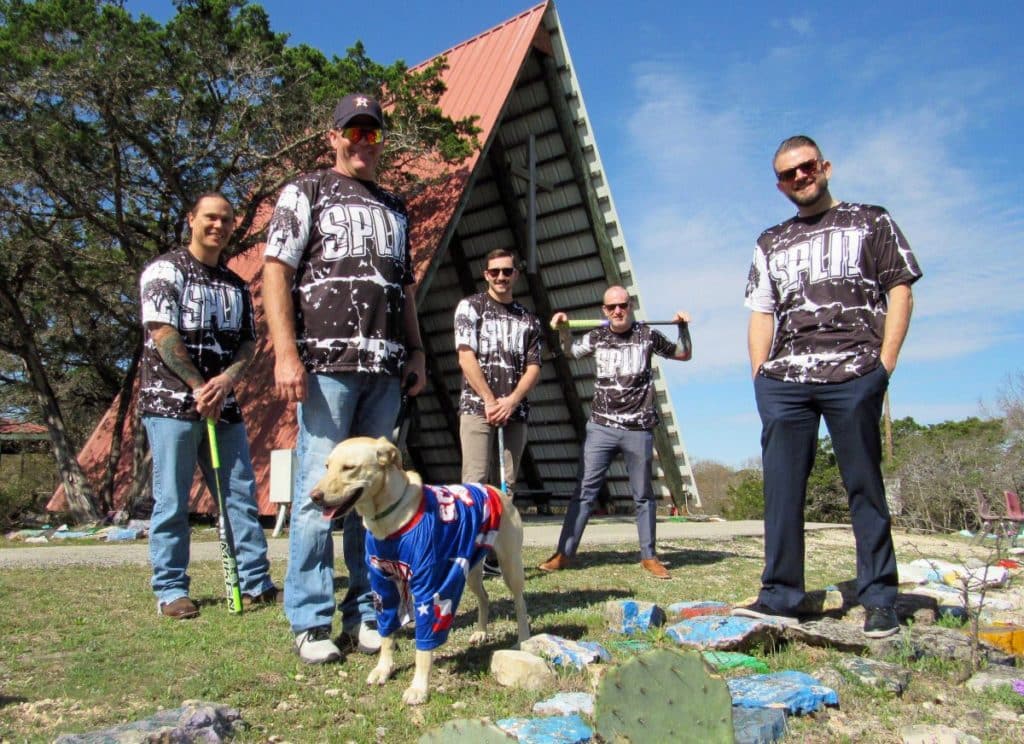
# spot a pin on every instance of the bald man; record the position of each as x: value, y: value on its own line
x: 622, y: 419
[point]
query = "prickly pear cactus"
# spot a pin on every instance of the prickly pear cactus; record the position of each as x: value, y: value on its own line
x: 664, y: 695
x: 467, y: 731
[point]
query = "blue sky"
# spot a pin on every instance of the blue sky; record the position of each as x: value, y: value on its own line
x: 918, y: 106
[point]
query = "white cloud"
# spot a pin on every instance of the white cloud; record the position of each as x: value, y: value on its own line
x: 802, y: 25
x: 699, y: 191
x: 705, y: 199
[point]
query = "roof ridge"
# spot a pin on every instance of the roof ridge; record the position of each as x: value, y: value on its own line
x: 482, y: 34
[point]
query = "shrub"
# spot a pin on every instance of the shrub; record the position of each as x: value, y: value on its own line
x: 24, y: 486
x: 746, y: 498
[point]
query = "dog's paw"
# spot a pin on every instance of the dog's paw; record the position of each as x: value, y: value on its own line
x: 478, y: 637
x: 379, y: 675
x: 414, y: 696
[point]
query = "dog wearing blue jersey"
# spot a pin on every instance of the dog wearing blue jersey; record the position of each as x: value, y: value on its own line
x: 424, y: 544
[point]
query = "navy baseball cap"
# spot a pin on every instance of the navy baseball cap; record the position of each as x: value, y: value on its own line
x: 357, y: 104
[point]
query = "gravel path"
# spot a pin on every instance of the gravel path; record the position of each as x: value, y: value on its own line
x: 538, y: 532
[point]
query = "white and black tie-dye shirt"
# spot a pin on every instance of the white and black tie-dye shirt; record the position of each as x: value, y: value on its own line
x: 346, y: 240
x: 211, y: 309
x: 624, y: 390
x: 825, y: 279
x: 506, y: 339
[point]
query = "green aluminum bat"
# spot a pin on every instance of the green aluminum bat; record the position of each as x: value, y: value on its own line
x: 227, y: 540
x: 588, y: 324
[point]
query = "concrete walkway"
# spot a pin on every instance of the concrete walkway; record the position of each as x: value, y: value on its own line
x: 538, y: 532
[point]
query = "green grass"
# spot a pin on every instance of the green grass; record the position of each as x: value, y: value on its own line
x: 85, y: 649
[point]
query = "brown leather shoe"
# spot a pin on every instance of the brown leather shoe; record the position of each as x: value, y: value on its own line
x: 180, y: 609
x: 555, y: 563
x: 655, y: 568
x: 271, y: 596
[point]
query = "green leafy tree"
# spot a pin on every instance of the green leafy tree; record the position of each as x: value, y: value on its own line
x: 940, y: 467
x: 746, y: 497
x: 110, y: 126
x: 826, y: 494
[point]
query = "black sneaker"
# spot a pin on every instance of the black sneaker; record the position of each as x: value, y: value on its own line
x: 880, y: 622
x: 760, y: 611
x: 491, y: 567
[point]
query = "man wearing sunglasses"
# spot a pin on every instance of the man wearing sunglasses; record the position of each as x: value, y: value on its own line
x: 499, y: 347
x: 829, y: 291
x: 622, y: 419
x: 337, y: 292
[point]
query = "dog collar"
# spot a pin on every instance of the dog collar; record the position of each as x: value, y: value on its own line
x: 411, y: 524
x: 387, y: 511
x: 390, y: 509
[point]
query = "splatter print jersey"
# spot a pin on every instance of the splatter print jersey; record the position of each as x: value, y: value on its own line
x: 624, y: 389
x: 506, y: 340
x: 346, y: 240
x: 419, y: 573
x: 211, y: 309
x: 825, y: 279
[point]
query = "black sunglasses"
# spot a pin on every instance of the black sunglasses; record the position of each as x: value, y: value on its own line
x: 493, y: 273
x: 809, y: 168
x: 617, y: 306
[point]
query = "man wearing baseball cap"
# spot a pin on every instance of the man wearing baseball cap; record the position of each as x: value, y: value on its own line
x: 337, y: 293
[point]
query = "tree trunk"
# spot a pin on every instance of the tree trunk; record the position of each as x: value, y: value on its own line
x: 77, y: 489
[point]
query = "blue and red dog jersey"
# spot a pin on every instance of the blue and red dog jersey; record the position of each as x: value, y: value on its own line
x: 420, y: 571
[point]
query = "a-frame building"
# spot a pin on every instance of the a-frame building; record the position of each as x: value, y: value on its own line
x: 518, y: 79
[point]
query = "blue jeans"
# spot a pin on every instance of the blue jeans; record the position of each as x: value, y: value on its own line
x: 336, y: 407
x: 177, y: 447
x: 790, y: 416
x: 602, y: 444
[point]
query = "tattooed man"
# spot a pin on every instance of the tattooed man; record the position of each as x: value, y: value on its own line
x: 200, y: 339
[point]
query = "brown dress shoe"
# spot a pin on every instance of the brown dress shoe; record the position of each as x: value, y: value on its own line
x: 655, y: 568
x: 180, y: 609
x: 555, y: 563
x: 270, y: 596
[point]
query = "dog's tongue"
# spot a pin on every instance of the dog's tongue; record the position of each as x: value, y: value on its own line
x: 330, y: 512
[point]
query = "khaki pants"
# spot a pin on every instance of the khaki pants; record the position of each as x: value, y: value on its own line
x: 480, y: 449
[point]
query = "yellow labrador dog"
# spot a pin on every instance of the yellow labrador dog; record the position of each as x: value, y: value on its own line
x: 423, y: 545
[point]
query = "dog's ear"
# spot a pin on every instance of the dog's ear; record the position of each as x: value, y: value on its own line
x: 387, y: 453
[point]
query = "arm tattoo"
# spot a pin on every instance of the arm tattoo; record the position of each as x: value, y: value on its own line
x: 243, y: 358
x: 171, y: 348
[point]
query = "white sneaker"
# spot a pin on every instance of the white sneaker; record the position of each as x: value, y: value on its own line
x: 366, y: 637
x: 314, y: 646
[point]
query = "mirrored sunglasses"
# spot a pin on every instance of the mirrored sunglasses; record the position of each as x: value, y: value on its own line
x: 372, y: 135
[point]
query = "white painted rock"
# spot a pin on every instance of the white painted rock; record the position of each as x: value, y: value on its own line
x: 520, y: 669
x: 995, y: 676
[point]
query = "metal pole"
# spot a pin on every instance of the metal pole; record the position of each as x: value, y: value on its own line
x: 501, y: 459
x: 531, y: 209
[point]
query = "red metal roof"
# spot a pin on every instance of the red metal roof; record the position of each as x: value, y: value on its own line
x: 481, y: 74
x: 20, y: 428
